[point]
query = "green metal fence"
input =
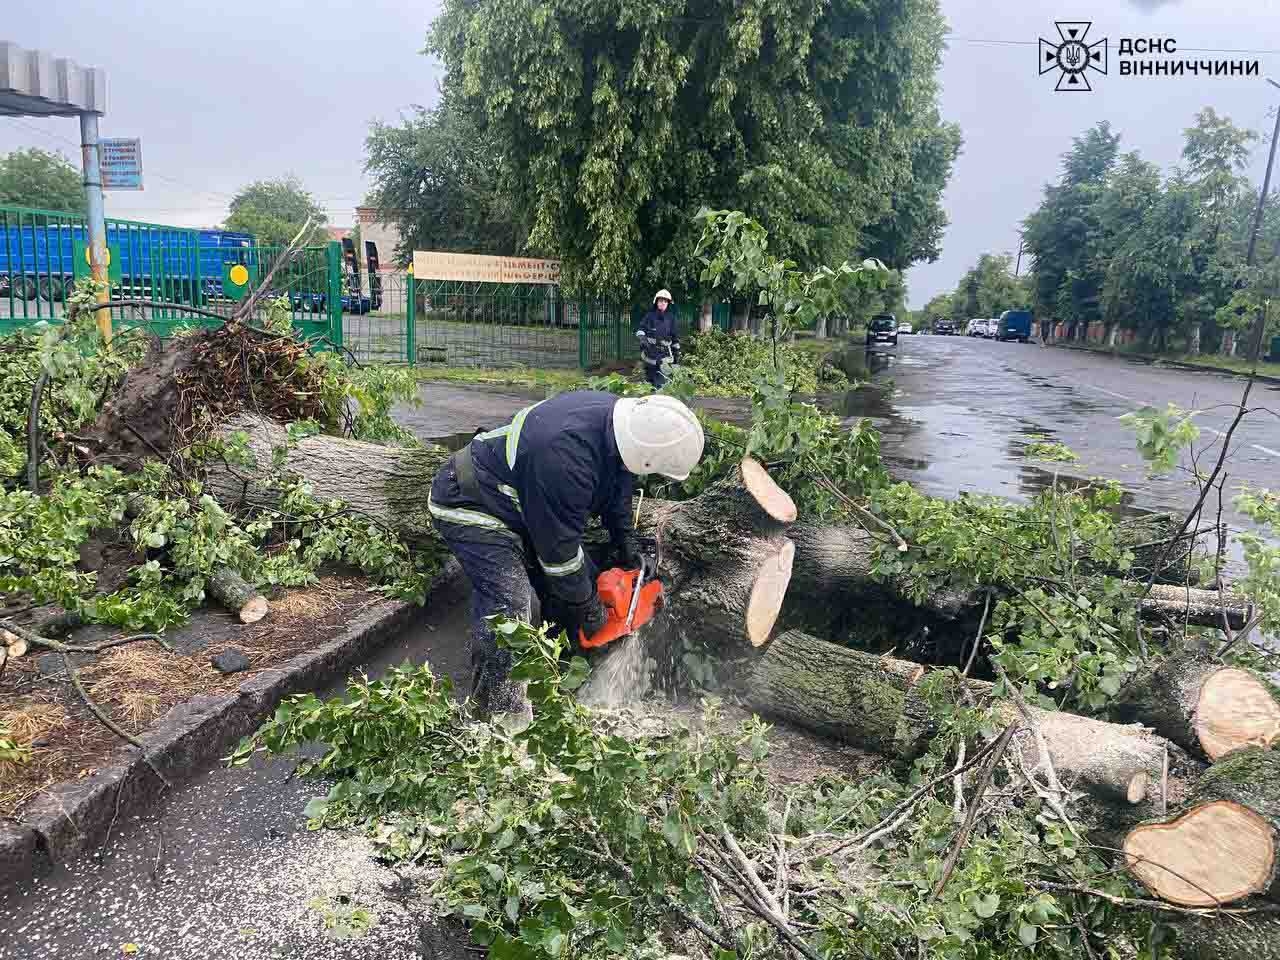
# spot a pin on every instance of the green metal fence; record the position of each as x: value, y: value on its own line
x: 457, y: 323
x: 390, y: 318
x: 312, y: 282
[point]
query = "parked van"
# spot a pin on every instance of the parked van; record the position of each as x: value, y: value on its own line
x: 1014, y: 325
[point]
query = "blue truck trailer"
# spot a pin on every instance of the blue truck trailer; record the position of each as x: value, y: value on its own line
x: 1014, y: 325
x: 38, y: 251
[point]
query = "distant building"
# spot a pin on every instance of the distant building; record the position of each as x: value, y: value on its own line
x: 375, y: 225
x: 338, y: 233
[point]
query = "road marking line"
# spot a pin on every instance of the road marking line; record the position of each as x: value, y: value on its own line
x: 1267, y: 450
x: 1109, y: 392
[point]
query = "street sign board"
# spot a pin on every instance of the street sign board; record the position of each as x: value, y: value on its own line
x: 121, y: 161
x: 430, y: 265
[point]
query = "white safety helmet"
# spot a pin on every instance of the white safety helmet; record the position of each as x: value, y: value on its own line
x: 657, y: 434
x: 663, y: 294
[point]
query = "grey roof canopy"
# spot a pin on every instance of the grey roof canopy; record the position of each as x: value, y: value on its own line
x: 35, y: 83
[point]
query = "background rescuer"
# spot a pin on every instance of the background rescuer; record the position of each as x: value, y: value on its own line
x: 515, y: 502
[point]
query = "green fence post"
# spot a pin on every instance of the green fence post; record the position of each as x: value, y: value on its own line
x: 584, y: 349
x: 333, y: 269
x: 411, y: 319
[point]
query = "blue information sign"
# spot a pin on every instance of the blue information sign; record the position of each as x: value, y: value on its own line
x: 121, y: 161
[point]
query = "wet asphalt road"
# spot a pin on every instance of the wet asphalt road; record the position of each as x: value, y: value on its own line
x: 230, y: 870
x: 955, y: 414
x: 236, y: 874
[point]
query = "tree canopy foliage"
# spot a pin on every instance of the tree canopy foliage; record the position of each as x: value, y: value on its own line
x: 987, y: 289
x: 439, y: 176
x: 38, y: 178
x: 1115, y: 241
x: 275, y: 210
x: 615, y: 124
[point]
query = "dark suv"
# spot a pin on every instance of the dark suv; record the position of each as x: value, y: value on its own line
x: 944, y: 326
x: 883, y: 328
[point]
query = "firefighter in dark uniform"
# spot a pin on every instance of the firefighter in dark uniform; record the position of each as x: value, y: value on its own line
x: 517, y: 500
x: 660, y: 341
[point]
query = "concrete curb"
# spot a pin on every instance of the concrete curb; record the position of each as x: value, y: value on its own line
x: 1164, y: 361
x: 77, y: 816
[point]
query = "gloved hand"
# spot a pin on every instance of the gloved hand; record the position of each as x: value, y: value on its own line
x: 584, y: 618
x: 627, y: 552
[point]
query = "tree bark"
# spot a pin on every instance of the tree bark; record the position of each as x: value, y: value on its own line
x: 1224, y: 848
x: 715, y: 547
x: 230, y: 589
x: 878, y: 703
x: 1206, y: 708
x: 726, y: 560
x: 387, y: 484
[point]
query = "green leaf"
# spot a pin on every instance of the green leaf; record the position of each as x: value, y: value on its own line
x: 316, y: 808
x: 986, y: 906
x: 1027, y: 933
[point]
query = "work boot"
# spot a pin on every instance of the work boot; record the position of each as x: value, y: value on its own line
x: 506, y: 703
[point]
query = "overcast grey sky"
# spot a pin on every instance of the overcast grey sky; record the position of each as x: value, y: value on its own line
x: 224, y: 94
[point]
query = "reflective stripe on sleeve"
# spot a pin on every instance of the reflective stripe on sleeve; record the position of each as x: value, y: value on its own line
x: 511, y: 492
x: 566, y: 568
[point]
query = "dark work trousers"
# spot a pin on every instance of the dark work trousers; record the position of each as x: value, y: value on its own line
x: 653, y: 373
x: 495, y: 565
x: 501, y: 582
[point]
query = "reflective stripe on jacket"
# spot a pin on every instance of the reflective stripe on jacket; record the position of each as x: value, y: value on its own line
x: 543, y: 476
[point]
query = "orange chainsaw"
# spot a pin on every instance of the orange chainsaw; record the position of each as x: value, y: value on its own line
x: 630, y: 599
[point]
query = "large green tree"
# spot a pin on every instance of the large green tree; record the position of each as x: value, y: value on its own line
x: 617, y: 123
x: 275, y: 210
x: 438, y: 176
x: 37, y: 178
x: 1061, y: 235
x: 1161, y: 256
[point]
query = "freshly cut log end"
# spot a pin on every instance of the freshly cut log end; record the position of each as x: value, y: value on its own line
x: 1206, y: 708
x: 1213, y: 854
x: 230, y: 589
x: 768, y: 591
x: 1236, y: 709
x: 773, y: 500
x: 254, y: 610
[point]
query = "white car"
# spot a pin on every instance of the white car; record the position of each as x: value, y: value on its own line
x: 905, y: 328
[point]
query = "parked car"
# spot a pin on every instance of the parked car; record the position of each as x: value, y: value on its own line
x: 905, y: 328
x: 883, y: 328
x: 1014, y: 325
x: 975, y: 328
x: 943, y: 326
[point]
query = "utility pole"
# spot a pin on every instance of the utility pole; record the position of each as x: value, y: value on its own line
x: 1259, y: 328
x: 1017, y: 269
x: 91, y: 163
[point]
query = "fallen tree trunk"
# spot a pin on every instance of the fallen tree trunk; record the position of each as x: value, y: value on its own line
x: 230, y: 589
x: 878, y: 703
x: 1203, y: 706
x: 1226, y: 846
x: 726, y: 558
x: 724, y: 553
x: 389, y: 485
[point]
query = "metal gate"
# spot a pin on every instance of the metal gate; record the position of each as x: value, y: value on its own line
x: 455, y: 323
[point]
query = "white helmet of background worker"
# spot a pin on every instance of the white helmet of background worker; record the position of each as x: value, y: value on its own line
x: 663, y: 294
x: 657, y: 434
